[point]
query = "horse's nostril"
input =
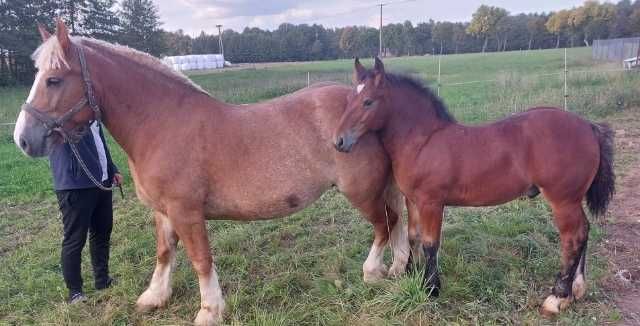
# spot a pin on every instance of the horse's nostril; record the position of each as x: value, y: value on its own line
x: 23, y: 143
x: 339, y: 142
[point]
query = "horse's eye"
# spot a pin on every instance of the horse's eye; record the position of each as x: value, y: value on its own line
x: 368, y: 102
x: 53, y: 81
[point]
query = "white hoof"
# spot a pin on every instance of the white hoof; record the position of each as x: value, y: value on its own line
x: 150, y: 300
x: 374, y: 275
x: 578, y: 288
x: 397, y: 270
x: 209, y: 316
x: 553, y: 305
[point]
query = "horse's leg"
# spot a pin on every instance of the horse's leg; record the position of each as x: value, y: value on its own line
x: 398, y: 237
x: 191, y: 228
x: 430, y: 228
x: 574, y: 229
x: 159, y: 289
x: 415, y: 253
x: 383, y: 221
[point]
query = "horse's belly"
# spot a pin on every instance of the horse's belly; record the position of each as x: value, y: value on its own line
x: 488, y: 193
x: 251, y: 205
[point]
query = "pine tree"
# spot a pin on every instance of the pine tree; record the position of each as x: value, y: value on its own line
x: 140, y: 23
x: 99, y: 20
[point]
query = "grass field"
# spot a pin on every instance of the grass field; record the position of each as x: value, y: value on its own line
x: 497, y: 263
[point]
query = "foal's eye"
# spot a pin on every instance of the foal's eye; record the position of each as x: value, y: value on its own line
x: 53, y: 81
x: 368, y: 102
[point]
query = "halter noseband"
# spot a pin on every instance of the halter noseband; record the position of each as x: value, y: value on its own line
x: 57, y: 124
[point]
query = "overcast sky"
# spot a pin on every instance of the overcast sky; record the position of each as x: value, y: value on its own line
x: 193, y: 16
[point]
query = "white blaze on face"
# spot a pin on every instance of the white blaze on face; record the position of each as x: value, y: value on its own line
x: 20, y: 122
x: 359, y: 88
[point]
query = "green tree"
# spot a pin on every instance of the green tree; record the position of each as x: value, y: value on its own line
x: 100, y: 20
x: 141, y: 26
x: 558, y: 24
x: 485, y: 23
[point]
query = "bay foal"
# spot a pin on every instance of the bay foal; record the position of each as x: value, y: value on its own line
x: 193, y: 157
x: 438, y: 162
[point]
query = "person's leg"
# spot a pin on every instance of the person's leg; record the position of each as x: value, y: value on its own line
x: 99, y: 238
x: 76, y: 208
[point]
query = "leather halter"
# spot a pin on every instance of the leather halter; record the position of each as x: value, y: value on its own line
x: 57, y: 124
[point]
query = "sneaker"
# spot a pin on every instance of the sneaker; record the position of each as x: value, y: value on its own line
x: 110, y: 281
x: 76, y: 297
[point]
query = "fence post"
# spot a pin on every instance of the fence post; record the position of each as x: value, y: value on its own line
x: 439, y: 65
x: 566, y: 94
x: 308, y: 78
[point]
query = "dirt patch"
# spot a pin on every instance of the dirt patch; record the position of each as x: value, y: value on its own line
x: 622, y: 241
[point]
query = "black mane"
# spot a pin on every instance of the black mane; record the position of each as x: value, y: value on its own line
x: 403, y: 80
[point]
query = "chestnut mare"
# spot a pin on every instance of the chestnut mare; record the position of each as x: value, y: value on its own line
x: 438, y: 162
x: 194, y: 158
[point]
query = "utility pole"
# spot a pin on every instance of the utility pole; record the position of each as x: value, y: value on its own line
x: 220, y: 45
x: 380, y: 52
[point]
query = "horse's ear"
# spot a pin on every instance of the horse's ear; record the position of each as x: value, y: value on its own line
x: 378, y: 72
x: 44, y: 33
x: 359, y: 72
x: 62, y: 33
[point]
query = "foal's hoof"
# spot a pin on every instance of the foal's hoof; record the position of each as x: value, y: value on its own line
x: 209, y: 316
x: 553, y: 305
x: 433, y: 291
x: 578, y: 287
x: 374, y: 275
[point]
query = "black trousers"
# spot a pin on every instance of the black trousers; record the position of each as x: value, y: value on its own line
x: 85, y: 211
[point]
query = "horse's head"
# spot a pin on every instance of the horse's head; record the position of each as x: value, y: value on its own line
x: 366, y: 108
x: 57, y: 101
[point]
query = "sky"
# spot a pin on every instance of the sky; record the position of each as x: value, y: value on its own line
x: 193, y: 16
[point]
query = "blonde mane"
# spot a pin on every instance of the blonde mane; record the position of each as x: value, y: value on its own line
x: 50, y: 55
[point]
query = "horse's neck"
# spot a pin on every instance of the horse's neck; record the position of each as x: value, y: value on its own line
x: 410, y: 126
x: 138, y: 104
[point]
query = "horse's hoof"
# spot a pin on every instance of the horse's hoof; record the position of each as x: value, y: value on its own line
x: 578, y: 288
x: 150, y: 300
x: 375, y: 275
x: 397, y: 270
x: 209, y: 316
x: 553, y: 305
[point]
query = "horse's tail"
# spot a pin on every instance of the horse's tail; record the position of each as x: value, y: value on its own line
x: 603, y: 186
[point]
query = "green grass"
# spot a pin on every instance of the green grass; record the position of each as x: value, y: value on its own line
x: 497, y: 263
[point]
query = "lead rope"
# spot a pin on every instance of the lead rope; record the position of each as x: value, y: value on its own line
x: 84, y: 167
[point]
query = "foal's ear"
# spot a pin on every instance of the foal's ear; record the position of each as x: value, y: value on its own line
x: 62, y: 33
x: 359, y: 72
x: 378, y: 73
x: 44, y: 33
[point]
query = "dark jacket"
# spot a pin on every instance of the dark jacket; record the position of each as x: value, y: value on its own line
x: 67, y: 172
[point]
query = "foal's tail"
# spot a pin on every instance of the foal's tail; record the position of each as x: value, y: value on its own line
x: 603, y: 186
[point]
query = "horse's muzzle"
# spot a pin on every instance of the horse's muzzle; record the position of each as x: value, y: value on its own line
x: 344, y: 143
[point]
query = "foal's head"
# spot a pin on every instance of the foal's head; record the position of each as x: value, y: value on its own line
x: 58, y: 87
x: 367, y: 106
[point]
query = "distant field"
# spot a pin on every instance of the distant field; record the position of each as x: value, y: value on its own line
x: 497, y: 263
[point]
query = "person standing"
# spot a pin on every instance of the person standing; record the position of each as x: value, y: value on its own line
x: 86, y: 209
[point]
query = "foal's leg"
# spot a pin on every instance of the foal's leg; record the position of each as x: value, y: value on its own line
x: 430, y: 229
x: 415, y: 244
x: 192, y: 230
x: 159, y: 289
x: 574, y: 229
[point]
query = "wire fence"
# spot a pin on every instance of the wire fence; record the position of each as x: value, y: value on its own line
x: 571, y: 85
x: 616, y: 49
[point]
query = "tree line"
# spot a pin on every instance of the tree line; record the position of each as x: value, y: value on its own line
x: 136, y: 23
